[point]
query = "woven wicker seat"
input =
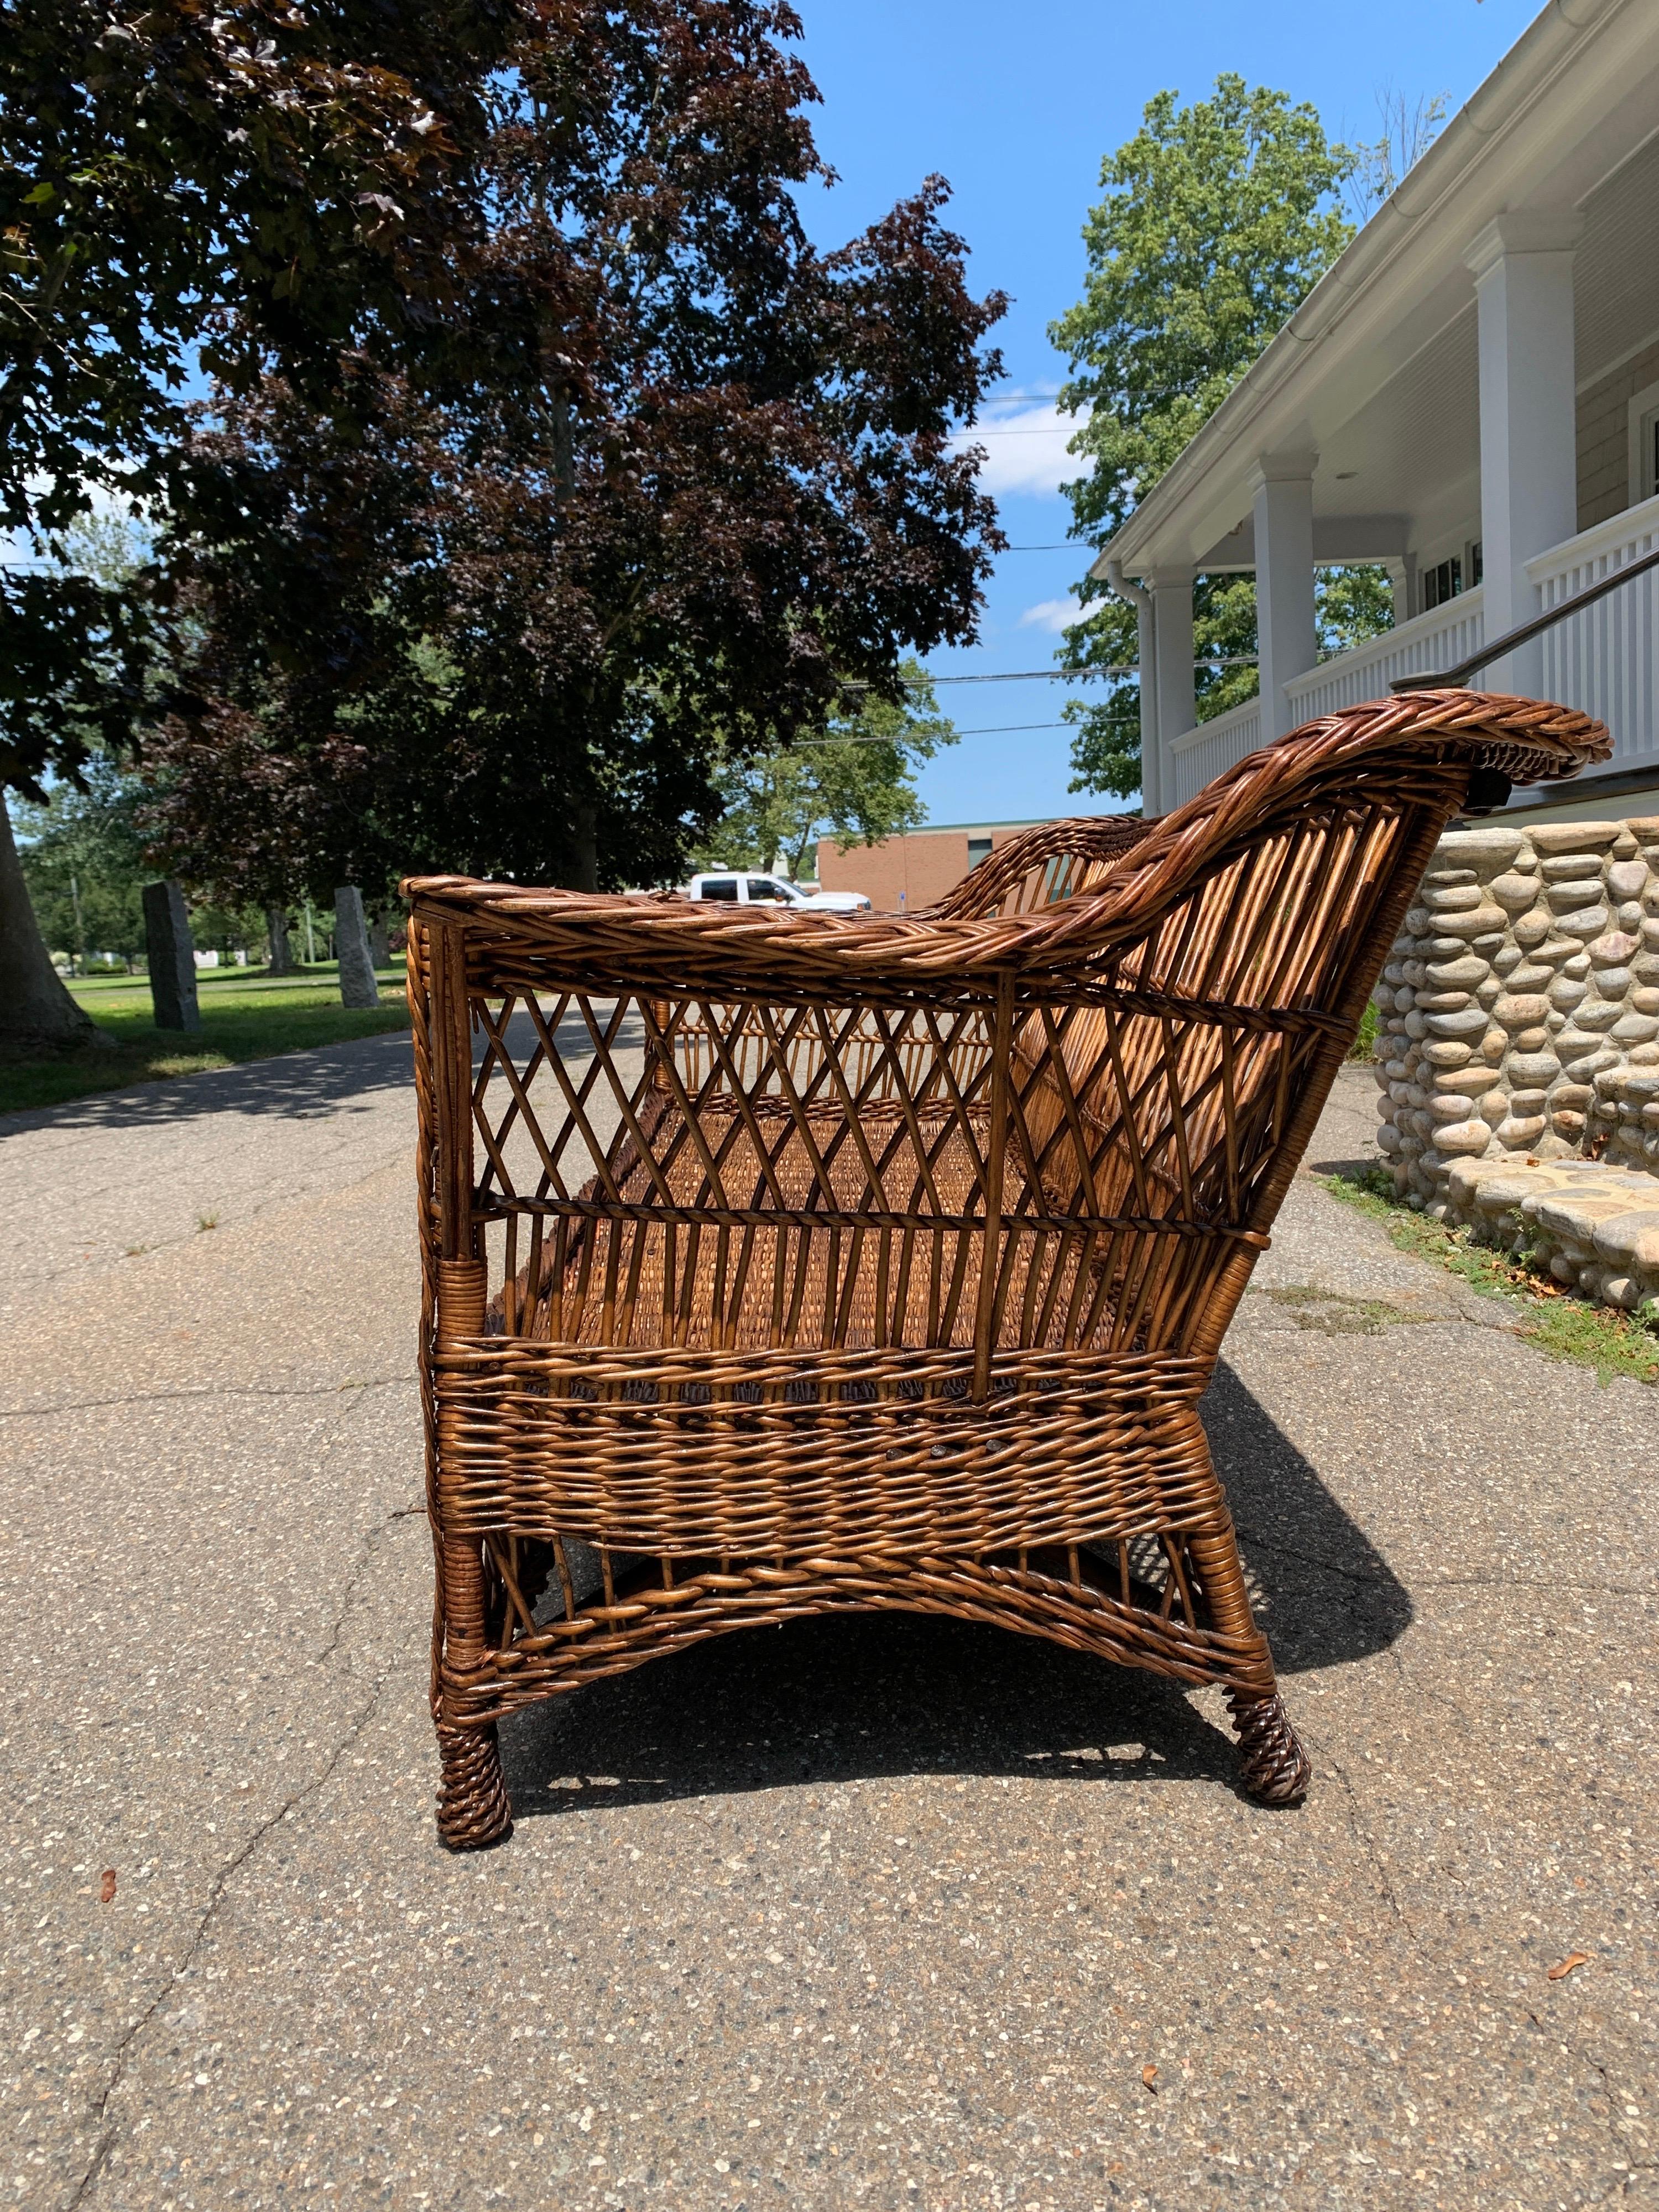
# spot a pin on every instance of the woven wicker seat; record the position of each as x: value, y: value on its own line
x: 797, y: 1264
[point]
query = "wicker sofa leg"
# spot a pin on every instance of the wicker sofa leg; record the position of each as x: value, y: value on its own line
x: 1273, y: 1768
x: 473, y: 1809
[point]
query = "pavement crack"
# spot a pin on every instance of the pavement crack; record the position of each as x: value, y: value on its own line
x: 1251, y: 1540
x: 1617, y: 2125
x: 1367, y: 1844
x: 1431, y: 1689
x: 102, y: 1260
x: 211, y: 1391
x: 354, y: 1580
x: 1536, y: 1582
x: 233, y: 1864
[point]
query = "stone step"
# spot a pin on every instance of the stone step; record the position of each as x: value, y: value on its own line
x: 1595, y: 1224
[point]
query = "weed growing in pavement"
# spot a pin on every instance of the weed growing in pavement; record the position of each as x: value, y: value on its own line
x: 207, y: 1221
x: 1557, y: 1321
x: 1334, y: 1313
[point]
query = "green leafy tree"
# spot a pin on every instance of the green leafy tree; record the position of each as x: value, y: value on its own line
x: 232, y: 185
x: 83, y: 860
x: 855, y: 781
x: 682, y: 481
x: 1219, y: 218
x: 228, y: 930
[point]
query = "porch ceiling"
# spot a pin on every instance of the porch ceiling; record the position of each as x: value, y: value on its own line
x: 1377, y: 372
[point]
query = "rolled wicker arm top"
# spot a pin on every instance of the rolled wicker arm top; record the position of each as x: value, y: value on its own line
x: 1419, y: 750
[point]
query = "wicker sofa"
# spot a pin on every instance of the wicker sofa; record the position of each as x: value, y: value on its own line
x: 795, y: 1264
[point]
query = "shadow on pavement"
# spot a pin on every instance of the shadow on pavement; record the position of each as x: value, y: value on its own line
x: 307, y: 1085
x: 294, y: 1085
x: 1321, y: 1588
x: 853, y: 1697
x: 1357, y: 1164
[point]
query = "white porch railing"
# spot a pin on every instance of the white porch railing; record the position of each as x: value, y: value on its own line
x: 1199, y: 755
x: 1605, y: 659
x: 1436, y: 640
x: 1439, y: 639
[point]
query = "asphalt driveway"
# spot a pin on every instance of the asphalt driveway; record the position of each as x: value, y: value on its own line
x: 878, y: 1912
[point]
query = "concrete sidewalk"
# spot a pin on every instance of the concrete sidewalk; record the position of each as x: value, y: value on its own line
x: 876, y: 1911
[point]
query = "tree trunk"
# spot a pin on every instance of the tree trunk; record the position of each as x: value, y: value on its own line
x: 581, y: 869
x: 37, y: 1017
x: 281, y: 953
x: 380, y: 940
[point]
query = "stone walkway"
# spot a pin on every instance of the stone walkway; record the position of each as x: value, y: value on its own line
x: 874, y: 1912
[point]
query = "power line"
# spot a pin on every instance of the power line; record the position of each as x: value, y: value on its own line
x: 1063, y: 675
x: 1007, y: 729
x: 864, y: 737
x: 989, y: 730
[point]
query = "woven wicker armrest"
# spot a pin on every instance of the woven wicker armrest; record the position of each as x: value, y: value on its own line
x: 1050, y: 862
x: 798, y: 1263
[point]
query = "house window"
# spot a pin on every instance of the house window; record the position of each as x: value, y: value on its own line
x: 1645, y: 446
x: 979, y: 849
x: 1442, y: 582
x: 1648, y: 482
x: 1477, y: 563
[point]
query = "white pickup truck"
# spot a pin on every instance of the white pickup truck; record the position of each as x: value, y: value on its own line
x: 743, y: 887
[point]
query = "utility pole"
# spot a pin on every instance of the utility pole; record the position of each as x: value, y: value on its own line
x: 80, y: 931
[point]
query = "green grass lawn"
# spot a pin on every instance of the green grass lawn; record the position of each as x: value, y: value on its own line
x: 246, y: 1015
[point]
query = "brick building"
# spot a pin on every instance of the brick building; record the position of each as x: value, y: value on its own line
x: 901, y: 875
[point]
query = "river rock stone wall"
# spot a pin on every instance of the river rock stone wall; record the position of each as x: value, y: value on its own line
x: 1519, y: 1015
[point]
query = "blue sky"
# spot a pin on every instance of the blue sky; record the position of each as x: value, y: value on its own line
x: 1016, y: 106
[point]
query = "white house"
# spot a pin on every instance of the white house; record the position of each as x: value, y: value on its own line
x: 1470, y: 395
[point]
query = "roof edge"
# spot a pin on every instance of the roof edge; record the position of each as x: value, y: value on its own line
x: 1552, y: 41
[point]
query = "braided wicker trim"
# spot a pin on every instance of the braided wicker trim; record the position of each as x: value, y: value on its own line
x: 650, y: 1622
x: 1273, y: 1768
x: 794, y: 1377
x: 1089, y: 841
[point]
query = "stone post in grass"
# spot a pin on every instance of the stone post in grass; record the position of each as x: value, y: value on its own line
x: 171, y: 958
x: 357, y: 984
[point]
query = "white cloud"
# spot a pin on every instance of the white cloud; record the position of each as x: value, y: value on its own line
x: 1024, y: 449
x: 1055, y: 615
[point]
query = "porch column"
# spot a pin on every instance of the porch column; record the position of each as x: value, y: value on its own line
x: 1522, y: 266
x: 1177, y: 710
x: 1403, y: 575
x: 1152, y: 727
x: 1286, y: 637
